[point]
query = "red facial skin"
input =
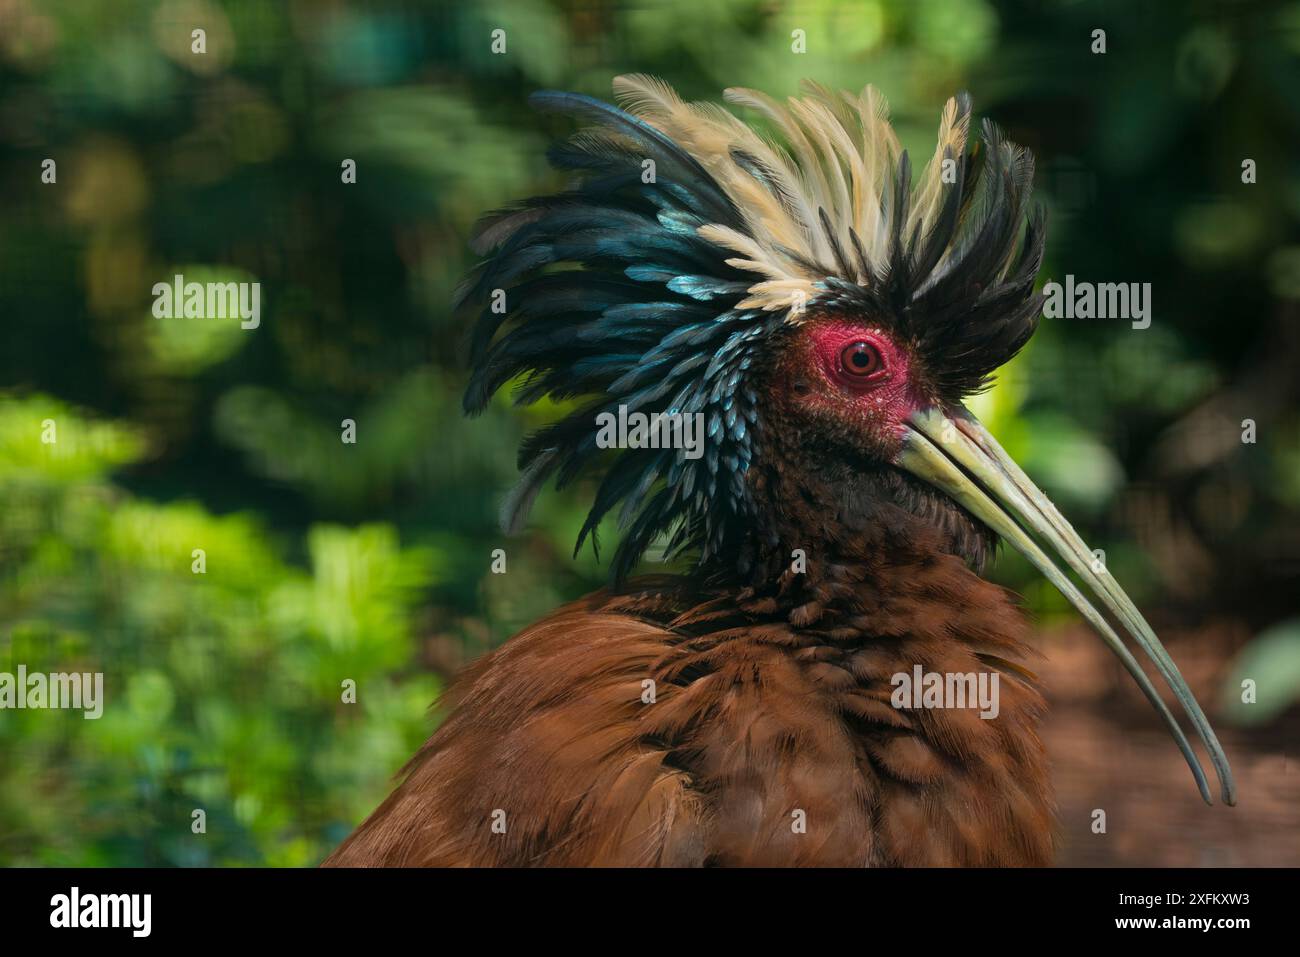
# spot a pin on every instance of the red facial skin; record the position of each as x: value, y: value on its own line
x: 867, y: 407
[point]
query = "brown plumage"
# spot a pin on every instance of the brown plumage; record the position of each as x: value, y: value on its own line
x: 768, y: 700
x: 824, y: 318
x: 754, y: 719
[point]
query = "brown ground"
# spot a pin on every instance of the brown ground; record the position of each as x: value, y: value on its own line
x: 1110, y: 751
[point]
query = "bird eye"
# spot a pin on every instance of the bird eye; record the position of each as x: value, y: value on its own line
x: 860, y: 359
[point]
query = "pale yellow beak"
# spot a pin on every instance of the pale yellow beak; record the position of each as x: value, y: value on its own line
x: 956, y: 454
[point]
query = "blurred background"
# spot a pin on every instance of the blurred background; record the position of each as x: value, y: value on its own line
x: 371, y: 561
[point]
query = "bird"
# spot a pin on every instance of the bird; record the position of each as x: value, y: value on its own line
x: 826, y: 312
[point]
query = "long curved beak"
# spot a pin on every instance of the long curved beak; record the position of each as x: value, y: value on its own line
x: 957, y: 455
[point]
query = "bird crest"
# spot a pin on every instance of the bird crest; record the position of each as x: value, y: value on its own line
x: 687, y: 241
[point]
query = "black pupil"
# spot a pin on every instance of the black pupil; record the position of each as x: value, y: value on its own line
x: 860, y: 357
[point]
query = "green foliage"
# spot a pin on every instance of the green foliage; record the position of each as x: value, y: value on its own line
x: 1272, y: 663
x: 223, y: 689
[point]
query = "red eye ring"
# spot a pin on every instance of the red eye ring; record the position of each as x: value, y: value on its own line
x: 860, y: 360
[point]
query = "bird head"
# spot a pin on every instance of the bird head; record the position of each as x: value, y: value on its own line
x: 823, y: 311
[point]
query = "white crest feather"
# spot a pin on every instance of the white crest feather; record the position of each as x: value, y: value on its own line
x: 838, y: 154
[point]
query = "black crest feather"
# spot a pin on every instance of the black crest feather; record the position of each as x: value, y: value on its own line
x: 683, y: 275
